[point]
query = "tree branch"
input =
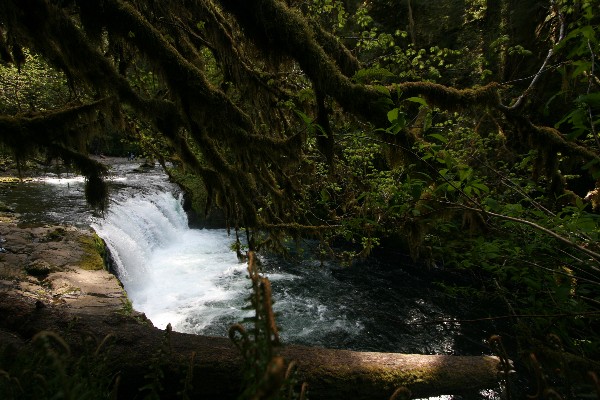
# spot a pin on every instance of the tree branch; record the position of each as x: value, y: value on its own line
x: 538, y: 227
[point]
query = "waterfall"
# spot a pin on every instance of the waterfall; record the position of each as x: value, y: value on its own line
x: 192, y: 279
x: 135, y: 228
x: 167, y: 269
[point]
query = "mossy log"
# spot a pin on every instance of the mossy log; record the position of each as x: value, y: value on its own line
x: 343, y: 374
x: 331, y: 374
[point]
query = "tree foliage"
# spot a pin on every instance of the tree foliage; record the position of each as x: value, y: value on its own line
x: 230, y: 78
x: 472, y: 140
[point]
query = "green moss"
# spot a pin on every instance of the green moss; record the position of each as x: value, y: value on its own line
x: 194, y: 187
x: 9, y: 179
x: 391, y: 379
x: 6, y: 208
x: 55, y: 235
x: 127, y: 306
x: 94, y: 252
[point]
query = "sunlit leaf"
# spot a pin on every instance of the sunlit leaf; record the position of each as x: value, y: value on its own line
x: 417, y: 100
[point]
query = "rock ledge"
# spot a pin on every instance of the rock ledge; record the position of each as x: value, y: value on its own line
x: 58, y: 265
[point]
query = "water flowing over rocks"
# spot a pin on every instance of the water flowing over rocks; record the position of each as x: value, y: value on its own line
x: 54, y: 277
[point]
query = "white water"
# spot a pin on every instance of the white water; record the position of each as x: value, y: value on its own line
x: 193, y: 280
x: 171, y: 272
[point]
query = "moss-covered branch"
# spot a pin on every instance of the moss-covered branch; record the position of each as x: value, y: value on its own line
x: 230, y: 120
x: 448, y: 98
x: 274, y: 26
x: 63, y: 125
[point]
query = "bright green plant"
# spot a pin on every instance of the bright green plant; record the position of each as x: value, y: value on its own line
x: 33, y: 87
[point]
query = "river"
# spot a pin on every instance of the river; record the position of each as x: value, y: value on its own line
x: 191, y: 278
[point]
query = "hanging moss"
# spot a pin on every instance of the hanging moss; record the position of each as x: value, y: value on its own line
x: 5, y: 55
x: 60, y: 134
x: 18, y: 55
x: 221, y: 66
x: 273, y: 25
x: 96, y: 192
x: 345, y: 60
x: 89, y: 13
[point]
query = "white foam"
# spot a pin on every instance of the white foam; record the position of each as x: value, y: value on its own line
x: 191, y: 278
x: 169, y: 271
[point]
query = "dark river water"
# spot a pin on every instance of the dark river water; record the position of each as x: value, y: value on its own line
x: 191, y: 279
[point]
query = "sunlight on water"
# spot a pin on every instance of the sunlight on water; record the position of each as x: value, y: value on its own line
x: 192, y: 282
x: 191, y: 279
x: 171, y: 273
x: 61, y: 181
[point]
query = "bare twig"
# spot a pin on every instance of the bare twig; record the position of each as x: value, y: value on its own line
x: 547, y: 231
x: 590, y: 83
x: 554, y: 9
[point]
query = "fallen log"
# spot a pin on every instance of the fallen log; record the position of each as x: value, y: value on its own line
x: 343, y: 374
x: 331, y: 374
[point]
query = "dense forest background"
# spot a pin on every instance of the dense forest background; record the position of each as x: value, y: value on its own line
x: 464, y: 133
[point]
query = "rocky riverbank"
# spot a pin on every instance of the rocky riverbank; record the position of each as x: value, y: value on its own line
x: 62, y: 266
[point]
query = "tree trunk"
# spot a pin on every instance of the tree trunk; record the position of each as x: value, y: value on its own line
x: 331, y: 374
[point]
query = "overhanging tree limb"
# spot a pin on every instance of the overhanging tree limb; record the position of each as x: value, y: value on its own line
x: 274, y: 26
x: 538, y: 227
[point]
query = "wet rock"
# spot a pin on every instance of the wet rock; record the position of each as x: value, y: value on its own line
x: 6, y: 208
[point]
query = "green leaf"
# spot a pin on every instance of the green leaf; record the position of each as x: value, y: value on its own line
x: 481, y: 186
x: 384, y: 90
x: 417, y: 100
x: 591, y: 99
x: 590, y: 164
x: 384, y: 102
x: 439, y: 137
x: 581, y: 67
x: 465, y: 174
x: 392, y: 115
x: 307, y: 120
x: 579, y: 203
x: 587, y: 225
x: 416, y: 191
